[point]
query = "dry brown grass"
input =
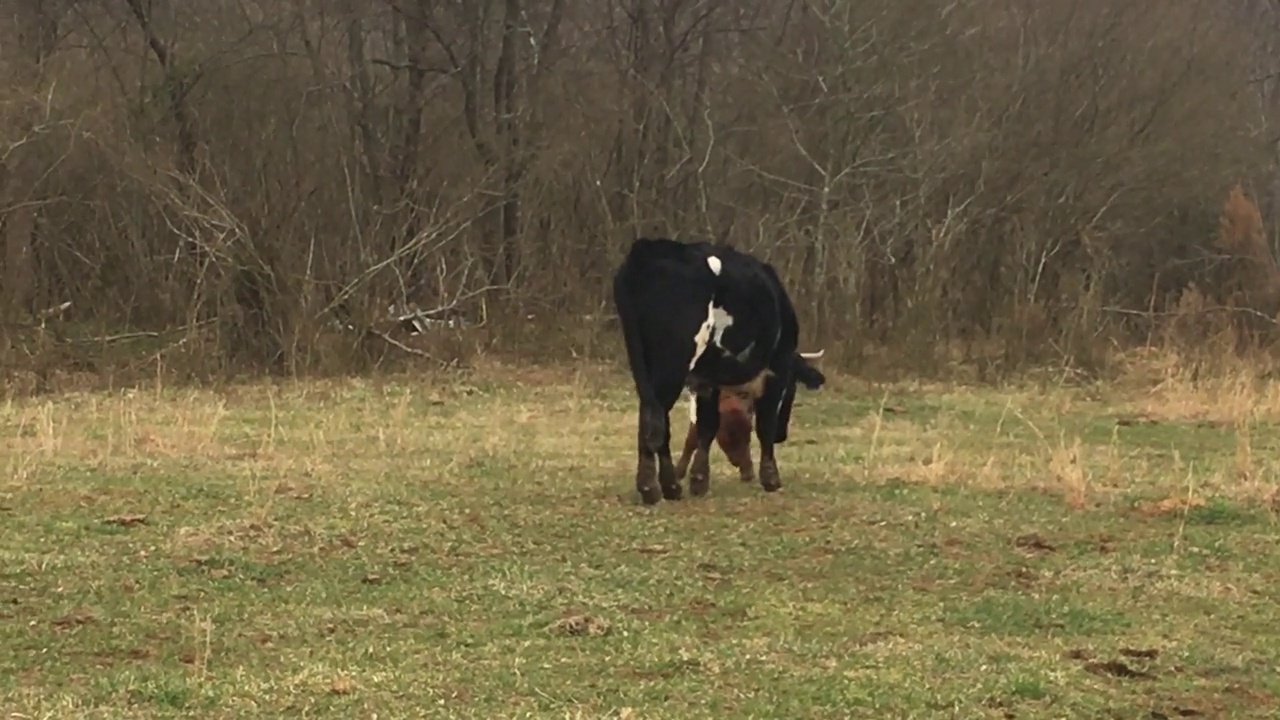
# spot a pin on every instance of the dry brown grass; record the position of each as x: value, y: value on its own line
x: 1256, y: 281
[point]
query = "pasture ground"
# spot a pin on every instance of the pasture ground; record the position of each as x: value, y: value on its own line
x: 472, y: 547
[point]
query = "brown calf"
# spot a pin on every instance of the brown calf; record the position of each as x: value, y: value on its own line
x: 737, y: 415
x: 737, y: 410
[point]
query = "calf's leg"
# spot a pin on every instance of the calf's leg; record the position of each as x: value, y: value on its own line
x: 690, y: 443
x: 741, y: 450
x: 735, y: 440
x: 668, y: 394
x: 708, y: 426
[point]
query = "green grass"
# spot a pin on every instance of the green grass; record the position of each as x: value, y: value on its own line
x: 472, y: 547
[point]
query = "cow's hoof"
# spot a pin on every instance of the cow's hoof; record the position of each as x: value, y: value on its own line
x: 699, y: 484
x: 649, y: 494
x: 769, y: 479
x: 672, y: 491
x: 747, y: 476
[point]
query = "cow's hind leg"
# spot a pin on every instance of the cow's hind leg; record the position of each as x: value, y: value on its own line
x: 652, y: 428
x: 671, y: 489
x: 708, y: 412
x: 766, y: 432
x: 667, y: 388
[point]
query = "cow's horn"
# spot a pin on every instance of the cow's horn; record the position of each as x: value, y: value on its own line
x: 813, y: 355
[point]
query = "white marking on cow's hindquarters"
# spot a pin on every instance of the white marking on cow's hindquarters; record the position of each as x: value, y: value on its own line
x: 712, y: 330
x: 713, y: 262
x: 693, y: 409
x: 721, y: 320
x: 703, y: 336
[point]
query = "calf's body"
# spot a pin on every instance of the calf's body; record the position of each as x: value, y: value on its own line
x: 734, y: 436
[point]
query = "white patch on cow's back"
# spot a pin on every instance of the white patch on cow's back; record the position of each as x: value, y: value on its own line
x: 703, y: 336
x: 720, y: 320
x: 711, y: 331
x: 714, y: 263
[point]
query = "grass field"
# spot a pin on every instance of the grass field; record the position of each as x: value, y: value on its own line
x: 472, y: 547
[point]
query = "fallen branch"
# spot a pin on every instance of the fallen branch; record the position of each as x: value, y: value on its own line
x: 1202, y: 311
x: 137, y: 335
x: 50, y: 312
x: 411, y: 350
x: 38, y: 319
x: 419, y: 321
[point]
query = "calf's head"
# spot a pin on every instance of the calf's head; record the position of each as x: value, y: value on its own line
x: 736, y: 403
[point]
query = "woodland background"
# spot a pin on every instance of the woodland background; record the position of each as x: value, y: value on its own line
x: 239, y: 186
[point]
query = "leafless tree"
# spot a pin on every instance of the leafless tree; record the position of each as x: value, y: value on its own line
x: 1011, y: 180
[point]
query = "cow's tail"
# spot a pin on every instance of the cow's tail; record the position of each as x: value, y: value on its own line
x: 652, y: 414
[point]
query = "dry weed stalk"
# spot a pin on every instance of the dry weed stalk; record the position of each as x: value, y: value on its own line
x: 1070, y: 474
x: 1189, y: 502
x: 875, y: 436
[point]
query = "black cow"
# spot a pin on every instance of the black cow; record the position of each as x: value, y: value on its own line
x: 705, y: 317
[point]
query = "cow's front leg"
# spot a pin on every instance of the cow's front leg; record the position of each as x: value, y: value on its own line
x: 708, y: 423
x: 766, y: 432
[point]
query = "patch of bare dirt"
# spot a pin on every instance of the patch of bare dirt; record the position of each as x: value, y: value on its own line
x: 1034, y: 544
x: 875, y: 638
x: 653, y: 550
x: 296, y: 492
x: 76, y: 618
x: 1225, y: 701
x: 1168, y: 505
x: 108, y: 658
x: 1117, y: 669
x: 1135, y: 666
x: 126, y: 520
x: 581, y: 626
x: 646, y: 613
x: 342, y: 685
x: 712, y: 573
x: 1104, y: 543
x: 1130, y: 420
x: 1024, y: 577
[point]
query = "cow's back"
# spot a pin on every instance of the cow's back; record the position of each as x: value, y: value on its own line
x: 674, y: 286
